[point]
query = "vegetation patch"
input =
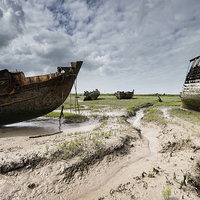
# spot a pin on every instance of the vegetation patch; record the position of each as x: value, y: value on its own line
x: 75, y: 118
x: 166, y: 193
x: 69, y: 117
x: 186, y: 114
x: 53, y: 114
x: 110, y: 101
x: 153, y: 114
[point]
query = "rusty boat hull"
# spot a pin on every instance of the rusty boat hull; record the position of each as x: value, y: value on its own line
x: 24, y: 98
x: 190, y: 96
x: 124, y: 95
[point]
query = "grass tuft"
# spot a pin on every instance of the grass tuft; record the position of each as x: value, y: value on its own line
x: 186, y: 114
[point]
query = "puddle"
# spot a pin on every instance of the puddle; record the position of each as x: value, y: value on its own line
x: 42, y: 126
x: 46, y: 125
x: 108, y: 111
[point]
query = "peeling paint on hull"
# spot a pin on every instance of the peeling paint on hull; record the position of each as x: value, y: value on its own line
x: 190, y: 96
x: 28, y: 101
x: 191, y: 101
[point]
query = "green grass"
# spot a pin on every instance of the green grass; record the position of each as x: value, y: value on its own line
x: 69, y: 117
x: 153, y: 114
x: 166, y: 193
x: 53, y: 114
x: 109, y: 100
x: 186, y: 114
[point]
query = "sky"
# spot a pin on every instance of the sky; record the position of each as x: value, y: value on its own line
x: 143, y: 45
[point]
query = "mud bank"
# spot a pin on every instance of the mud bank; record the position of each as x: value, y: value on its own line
x: 119, y: 158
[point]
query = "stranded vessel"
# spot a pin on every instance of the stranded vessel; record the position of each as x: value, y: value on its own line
x: 124, y: 95
x: 24, y: 98
x: 190, y: 96
x: 91, y: 95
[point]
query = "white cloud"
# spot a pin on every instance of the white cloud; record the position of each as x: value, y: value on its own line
x: 124, y: 44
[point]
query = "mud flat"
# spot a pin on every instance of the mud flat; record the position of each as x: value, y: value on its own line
x: 116, y: 157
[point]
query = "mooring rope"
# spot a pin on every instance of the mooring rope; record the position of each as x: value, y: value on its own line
x: 61, y: 112
x: 70, y: 103
x: 61, y: 115
x: 76, y: 96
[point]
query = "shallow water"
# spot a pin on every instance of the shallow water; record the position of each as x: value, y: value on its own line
x: 47, y: 125
x: 108, y: 111
x: 42, y: 126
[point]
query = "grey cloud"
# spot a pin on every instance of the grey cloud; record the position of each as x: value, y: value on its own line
x: 53, y: 46
x: 143, y: 43
x: 11, y: 21
x: 1, y: 13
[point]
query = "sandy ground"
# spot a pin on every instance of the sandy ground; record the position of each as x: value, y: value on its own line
x: 134, y: 168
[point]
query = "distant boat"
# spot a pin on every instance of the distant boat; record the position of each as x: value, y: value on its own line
x: 24, y: 98
x: 124, y: 95
x: 190, y: 96
x: 91, y: 95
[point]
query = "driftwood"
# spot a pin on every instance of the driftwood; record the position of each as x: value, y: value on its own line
x: 37, y: 136
x: 159, y: 99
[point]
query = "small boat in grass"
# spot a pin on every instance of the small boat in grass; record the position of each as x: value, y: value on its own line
x: 91, y: 95
x: 24, y: 98
x: 124, y: 95
x: 190, y: 96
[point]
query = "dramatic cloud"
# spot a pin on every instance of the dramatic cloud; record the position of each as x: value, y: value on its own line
x: 124, y: 44
x: 11, y: 21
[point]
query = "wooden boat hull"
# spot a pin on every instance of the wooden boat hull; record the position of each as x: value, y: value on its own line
x: 29, y: 101
x: 91, y: 95
x: 191, y: 99
x: 124, y: 95
x: 190, y: 96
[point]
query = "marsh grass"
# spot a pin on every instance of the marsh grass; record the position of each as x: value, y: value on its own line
x: 109, y: 101
x: 106, y: 101
x: 69, y: 117
x: 47, y: 147
x: 103, y: 123
x: 151, y: 175
x: 75, y: 146
x: 129, y: 104
x: 186, y: 114
x: 166, y: 193
x: 94, y: 115
x: 53, y: 114
x: 153, y: 114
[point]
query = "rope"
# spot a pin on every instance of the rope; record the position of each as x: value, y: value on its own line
x: 62, y: 107
x: 61, y: 115
x: 76, y: 96
x: 70, y: 104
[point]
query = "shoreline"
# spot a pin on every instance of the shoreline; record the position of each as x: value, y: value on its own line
x: 125, y: 167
